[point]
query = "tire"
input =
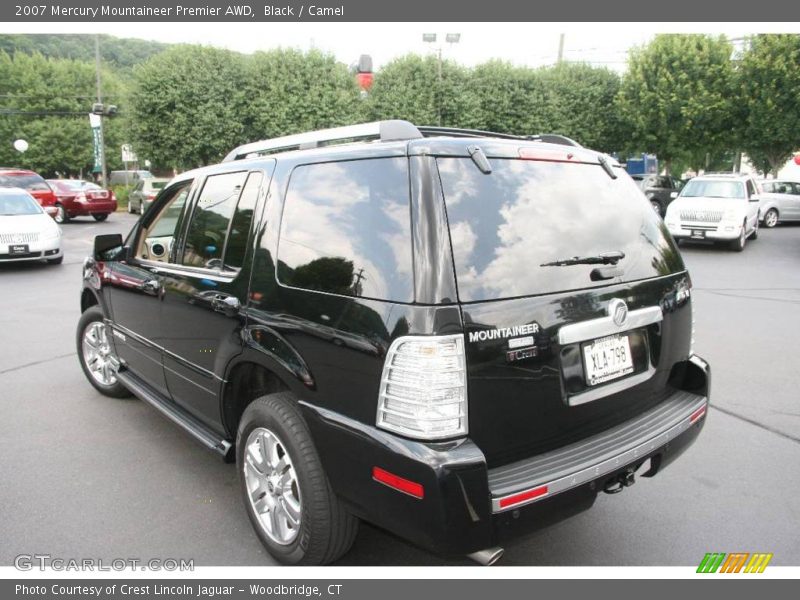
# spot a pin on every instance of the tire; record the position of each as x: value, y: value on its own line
x: 61, y: 216
x: 101, y: 217
x: 657, y: 208
x: 754, y: 233
x: 90, y: 318
x: 738, y: 244
x: 326, y: 530
x: 56, y: 261
x: 771, y: 218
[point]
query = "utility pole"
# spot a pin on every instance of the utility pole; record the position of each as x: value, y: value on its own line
x: 439, y: 103
x: 560, y: 49
x: 100, y: 101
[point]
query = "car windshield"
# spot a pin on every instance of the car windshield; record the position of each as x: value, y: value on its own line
x: 712, y: 188
x: 12, y: 205
x: 31, y: 182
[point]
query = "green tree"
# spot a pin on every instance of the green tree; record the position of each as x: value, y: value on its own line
x: 582, y: 105
x: 768, y: 96
x: 677, y: 96
x: 410, y: 88
x: 188, y: 106
x: 510, y: 99
x: 118, y: 52
x: 47, y: 102
x: 290, y: 91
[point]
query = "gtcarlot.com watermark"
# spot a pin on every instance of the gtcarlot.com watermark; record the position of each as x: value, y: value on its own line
x: 30, y: 562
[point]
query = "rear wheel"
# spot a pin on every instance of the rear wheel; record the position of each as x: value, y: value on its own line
x: 61, y: 216
x: 286, y: 493
x: 771, y: 218
x: 101, y: 217
x: 96, y: 354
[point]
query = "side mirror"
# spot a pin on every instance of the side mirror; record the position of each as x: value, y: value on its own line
x: 108, y: 246
x: 755, y: 198
x: 673, y: 195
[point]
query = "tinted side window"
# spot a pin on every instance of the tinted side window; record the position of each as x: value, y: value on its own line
x: 346, y: 229
x: 663, y: 182
x: 751, y: 190
x: 208, y: 228
x: 236, y: 245
x: 158, y: 238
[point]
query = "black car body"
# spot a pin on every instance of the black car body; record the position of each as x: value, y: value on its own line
x: 659, y: 189
x: 431, y: 307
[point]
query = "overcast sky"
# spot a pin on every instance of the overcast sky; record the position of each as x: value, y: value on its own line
x: 531, y: 44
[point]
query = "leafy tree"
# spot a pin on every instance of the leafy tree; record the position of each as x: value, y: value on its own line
x: 188, y: 106
x: 583, y: 105
x: 769, y: 89
x: 677, y: 95
x: 510, y: 99
x: 46, y: 102
x: 410, y: 88
x: 119, y: 52
x: 290, y: 91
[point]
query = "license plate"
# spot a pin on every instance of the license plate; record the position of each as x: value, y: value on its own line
x: 18, y: 249
x: 698, y: 234
x: 607, y: 358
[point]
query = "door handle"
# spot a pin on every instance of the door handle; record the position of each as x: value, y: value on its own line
x: 152, y: 286
x: 228, y: 305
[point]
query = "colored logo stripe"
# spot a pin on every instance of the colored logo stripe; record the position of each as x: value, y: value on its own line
x: 734, y: 563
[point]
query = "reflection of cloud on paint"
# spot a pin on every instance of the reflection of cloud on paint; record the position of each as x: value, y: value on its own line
x: 349, y: 210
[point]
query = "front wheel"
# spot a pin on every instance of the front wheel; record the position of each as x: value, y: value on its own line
x: 101, y: 217
x: 657, y: 208
x: 288, y: 498
x: 737, y: 245
x: 754, y: 233
x: 96, y: 355
x: 771, y: 218
x: 62, y: 216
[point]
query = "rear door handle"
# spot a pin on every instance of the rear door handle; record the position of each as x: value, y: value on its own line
x: 228, y: 305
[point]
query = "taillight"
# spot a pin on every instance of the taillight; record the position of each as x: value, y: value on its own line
x: 423, y: 391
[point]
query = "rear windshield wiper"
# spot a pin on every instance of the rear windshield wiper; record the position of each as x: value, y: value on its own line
x: 607, y: 258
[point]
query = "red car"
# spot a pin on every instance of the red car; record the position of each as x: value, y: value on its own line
x: 78, y: 198
x: 31, y: 182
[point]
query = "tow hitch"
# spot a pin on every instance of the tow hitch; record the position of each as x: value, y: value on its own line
x: 620, y: 482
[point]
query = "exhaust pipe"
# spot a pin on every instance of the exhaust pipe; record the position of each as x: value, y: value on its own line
x: 487, y: 557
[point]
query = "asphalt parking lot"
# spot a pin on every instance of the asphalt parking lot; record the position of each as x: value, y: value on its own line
x: 82, y: 475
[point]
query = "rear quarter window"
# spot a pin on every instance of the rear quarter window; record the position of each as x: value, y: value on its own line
x: 346, y: 229
x: 504, y: 226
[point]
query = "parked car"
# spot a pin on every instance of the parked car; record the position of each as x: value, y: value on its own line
x: 144, y: 192
x: 716, y: 208
x: 129, y: 177
x: 780, y: 201
x: 658, y: 189
x: 457, y: 336
x: 31, y: 182
x: 78, y: 198
x: 27, y: 232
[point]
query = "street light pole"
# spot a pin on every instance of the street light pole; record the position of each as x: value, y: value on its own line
x: 100, y: 101
x: 450, y: 38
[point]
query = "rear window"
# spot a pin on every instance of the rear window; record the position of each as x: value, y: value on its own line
x: 506, y: 225
x: 32, y: 182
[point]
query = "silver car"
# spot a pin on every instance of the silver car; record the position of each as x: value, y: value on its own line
x: 780, y: 202
x: 144, y: 192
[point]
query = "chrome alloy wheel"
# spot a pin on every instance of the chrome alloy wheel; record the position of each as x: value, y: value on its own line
x: 97, y: 354
x: 771, y: 219
x: 272, y: 487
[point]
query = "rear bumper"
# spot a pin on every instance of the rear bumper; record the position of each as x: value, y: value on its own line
x: 95, y: 207
x: 466, y: 507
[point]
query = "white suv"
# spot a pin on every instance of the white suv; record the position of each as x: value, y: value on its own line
x: 720, y: 208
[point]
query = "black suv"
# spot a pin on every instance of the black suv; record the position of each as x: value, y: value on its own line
x: 457, y: 336
x: 659, y: 189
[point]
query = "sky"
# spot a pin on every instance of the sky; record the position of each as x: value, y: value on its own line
x: 528, y: 44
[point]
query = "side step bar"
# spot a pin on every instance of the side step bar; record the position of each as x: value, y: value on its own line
x: 194, y: 427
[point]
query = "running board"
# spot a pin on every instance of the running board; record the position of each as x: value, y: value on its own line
x: 195, y: 428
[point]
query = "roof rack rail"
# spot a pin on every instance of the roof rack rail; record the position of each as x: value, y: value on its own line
x: 385, y: 131
x: 549, y: 138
